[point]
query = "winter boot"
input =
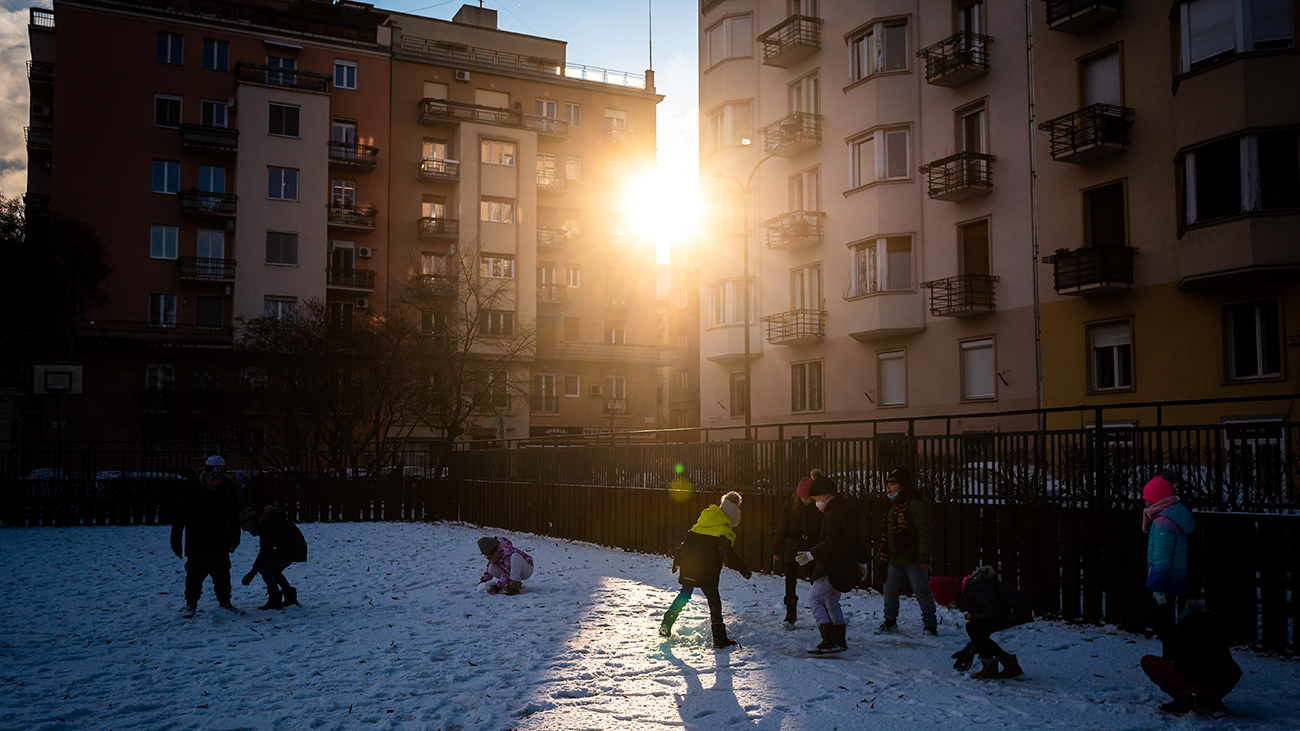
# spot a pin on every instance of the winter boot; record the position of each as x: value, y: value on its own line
x: 720, y: 638
x: 189, y: 610
x: 837, y: 634
x: 989, y: 670
x: 273, y: 601
x: 1209, y: 707
x: 226, y: 605
x: 930, y: 630
x: 291, y: 597
x: 1180, y: 706
x: 666, y: 627
x: 513, y: 587
x: 889, y: 625
x: 828, y: 643
x: 1011, y: 667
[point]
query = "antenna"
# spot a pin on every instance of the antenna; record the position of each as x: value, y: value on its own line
x: 650, y: 8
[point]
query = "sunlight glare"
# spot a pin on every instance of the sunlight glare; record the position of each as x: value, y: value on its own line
x: 663, y: 206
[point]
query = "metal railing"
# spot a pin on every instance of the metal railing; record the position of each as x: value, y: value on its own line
x: 195, y: 202
x: 1094, y: 126
x: 964, y: 294
x: 791, y: 130
x: 354, y: 154
x: 203, y: 267
x: 554, y: 237
x: 143, y: 331
x: 41, y: 18
x: 796, y: 325
x: 256, y: 73
x: 36, y: 204
x: 550, y: 183
x: 959, y: 176
x: 618, y: 298
x: 962, y: 50
x: 439, y: 169
x: 435, y: 285
x: 620, y: 135
x: 605, y: 352
x: 39, y: 138
x: 207, y: 137
x: 438, y: 50
x: 795, y: 229
x: 41, y: 72
x: 1091, y: 266
x: 791, y: 33
x: 439, y: 110
x: 351, y: 216
x: 553, y: 293
x: 350, y: 278
x: 1061, y: 11
x: 438, y: 228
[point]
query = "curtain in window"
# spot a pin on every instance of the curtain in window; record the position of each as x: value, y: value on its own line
x: 1210, y: 28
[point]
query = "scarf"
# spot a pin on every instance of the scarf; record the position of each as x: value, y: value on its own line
x: 1150, y: 514
x: 902, y: 528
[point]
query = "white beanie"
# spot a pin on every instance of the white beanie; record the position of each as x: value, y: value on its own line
x: 732, y: 511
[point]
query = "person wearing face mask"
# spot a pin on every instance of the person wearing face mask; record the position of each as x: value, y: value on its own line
x: 906, y: 548
x: 799, y: 528
x: 836, y: 554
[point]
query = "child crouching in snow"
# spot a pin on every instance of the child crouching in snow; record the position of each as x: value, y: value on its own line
x: 508, y: 567
x: 991, y: 606
x: 708, y: 545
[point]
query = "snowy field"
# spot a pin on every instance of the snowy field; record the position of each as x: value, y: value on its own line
x: 392, y: 634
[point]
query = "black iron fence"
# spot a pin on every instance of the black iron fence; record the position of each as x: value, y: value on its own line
x: 962, y: 295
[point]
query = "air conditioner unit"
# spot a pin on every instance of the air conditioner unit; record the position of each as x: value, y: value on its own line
x: 364, y: 252
x: 596, y: 390
x: 363, y: 303
x: 462, y: 76
x: 41, y: 110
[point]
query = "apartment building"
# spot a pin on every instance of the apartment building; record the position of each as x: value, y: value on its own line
x: 1169, y: 201
x: 682, y: 332
x: 884, y: 149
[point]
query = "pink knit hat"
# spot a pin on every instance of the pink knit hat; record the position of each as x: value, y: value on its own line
x: 943, y: 589
x: 1157, y: 489
x: 804, y: 486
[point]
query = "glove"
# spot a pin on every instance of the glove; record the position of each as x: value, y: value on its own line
x: 493, y: 589
x: 176, y: 549
x: 248, y: 578
x: 804, y: 558
x: 964, y: 657
x: 1159, y: 596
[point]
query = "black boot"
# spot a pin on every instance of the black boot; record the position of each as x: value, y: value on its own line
x: 828, y: 643
x: 273, y: 601
x: 720, y: 638
x: 838, y: 631
x: 291, y: 597
x: 666, y: 627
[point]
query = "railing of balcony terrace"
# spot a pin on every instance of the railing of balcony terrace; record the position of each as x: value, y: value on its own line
x: 440, y: 50
x: 959, y: 176
x: 256, y: 73
x: 555, y: 237
x: 438, y: 227
x: 1073, y: 136
x: 205, y: 203
x: 432, y: 167
x: 1092, y: 267
x: 551, y: 293
x: 962, y: 51
x: 801, y: 325
x: 795, y: 229
x: 41, y: 18
x: 791, y: 33
x: 39, y: 138
x: 964, y: 294
x: 353, y: 216
x: 203, y: 267
x: 790, y: 131
x: 41, y: 72
x: 209, y: 137
x: 550, y: 183
x: 354, y: 154
x: 350, y: 278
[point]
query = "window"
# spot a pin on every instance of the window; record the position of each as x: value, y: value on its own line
x: 341, y: 315
x: 615, y: 119
x: 881, y: 155
x: 683, y: 298
x: 159, y: 376
x: 284, y: 120
x: 616, y: 387
x: 572, y: 329
x: 282, y: 184
x: 615, y: 174
x: 166, y: 111
x: 977, y: 370
x: 615, y: 332
x: 548, y: 108
x: 281, y: 248
x: 573, y: 112
x: 727, y: 305
x: 544, y: 400
x: 737, y: 398
x: 971, y: 131
x: 497, y: 267
x: 207, y: 312
x: 729, y: 214
x: 806, y: 288
x: 432, y: 207
x: 498, y: 211
x: 731, y: 38
x: 212, y: 247
x: 683, y: 339
x: 1252, y: 338
x: 573, y: 223
x: 729, y: 125
x: 882, y: 265
x: 433, y: 264
x: 162, y: 241
x: 1210, y: 31
x: 1110, y: 365
x: 974, y: 251
x: 166, y: 176
x: 280, y: 308
x: 212, y: 179
x: 435, y: 150
x: 1257, y: 172
x: 497, y: 152
x: 1104, y: 216
x: 880, y: 49
x: 216, y: 55
x: 162, y: 309
x: 572, y: 385
x: 806, y: 386
x: 497, y: 324
x: 892, y: 372
x: 213, y: 114
x: 572, y: 276
x: 169, y: 48
x: 1100, y: 79
x: 345, y: 74
x: 343, y: 130
x: 806, y: 190
x: 805, y: 95
x: 547, y: 168
x: 683, y: 380
x: 573, y: 167
x: 343, y: 194
x: 281, y: 78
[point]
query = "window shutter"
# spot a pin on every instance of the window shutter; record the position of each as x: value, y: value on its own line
x: 978, y: 363
x: 893, y: 379
x: 1110, y: 335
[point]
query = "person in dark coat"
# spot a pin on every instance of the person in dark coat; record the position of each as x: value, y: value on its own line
x: 281, y: 544
x: 708, y: 545
x: 836, y: 553
x: 906, y: 549
x: 798, y: 530
x: 991, y: 605
x: 205, y: 533
x: 1197, y: 670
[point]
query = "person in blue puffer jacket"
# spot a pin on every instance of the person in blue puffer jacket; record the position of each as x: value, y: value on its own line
x: 1166, y: 522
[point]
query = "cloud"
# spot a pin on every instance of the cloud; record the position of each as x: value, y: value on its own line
x: 13, y: 89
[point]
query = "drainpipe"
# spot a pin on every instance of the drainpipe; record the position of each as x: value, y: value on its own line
x: 1033, y: 213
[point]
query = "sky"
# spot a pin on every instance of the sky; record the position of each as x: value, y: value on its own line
x: 612, y: 34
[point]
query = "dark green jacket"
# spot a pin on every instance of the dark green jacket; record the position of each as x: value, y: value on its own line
x: 908, y: 535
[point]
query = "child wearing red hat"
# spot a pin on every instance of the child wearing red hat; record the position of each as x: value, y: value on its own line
x: 798, y: 530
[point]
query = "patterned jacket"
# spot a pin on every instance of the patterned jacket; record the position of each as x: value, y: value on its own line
x: 907, y: 538
x: 503, y: 562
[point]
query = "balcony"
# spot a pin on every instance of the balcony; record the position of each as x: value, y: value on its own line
x: 620, y: 136
x: 551, y: 293
x: 964, y: 295
x: 547, y: 126
x: 256, y: 73
x: 618, y: 298
x: 206, y: 269
x: 1092, y: 133
x: 883, y: 315
x: 36, y: 204
x: 792, y: 135
x: 1081, y: 16
x: 202, y: 204
x: 359, y: 218
x: 142, y: 331
x: 42, y: 18
x: 707, y: 5
x: 39, y: 138
x: 795, y: 230
x: 961, y: 176
x: 956, y: 60
x: 206, y: 138
x: 433, y: 168
x: 1092, y: 270
x: 440, y: 51
x: 434, y: 285
x: 354, y: 280
x: 40, y: 72
x: 790, y: 41
x: 605, y: 352
x: 550, y: 183
x: 445, y: 111
x: 552, y: 237
x: 438, y: 228
x: 353, y: 156
x: 796, y: 327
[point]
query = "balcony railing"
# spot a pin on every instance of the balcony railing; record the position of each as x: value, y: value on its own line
x: 256, y: 73
x: 36, y: 204
x: 39, y: 138
x: 792, y: 135
x: 206, y: 138
x: 206, y: 268
x: 795, y: 230
x: 550, y: 183
x: 1092, y: 269
x: 41, y: 18
x: 549, y: 126
x: 957, y: 59
x: 553, y: 237
x: 358, y: 217
x: 1092, y: 133
x: 962, y: 296
x: 203, y: 204
x: 441, y: 50
x: 40, y: 72
x: 796, y: 327
x: 1080, y: 16
x: 961, y: 176
x: 620, y: 135
x: 606, y: 352
x: 183, y: 333
x: 435, y: 111
x: 353, y: 155
x: 618, y: 298
x: 434, y: 285
x: 432, y: 168
x: 551, y: 293
x: 791, y: 41
x: 358, y: 279
x: 438, y: 228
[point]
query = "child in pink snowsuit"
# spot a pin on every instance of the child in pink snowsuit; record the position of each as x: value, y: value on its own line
x: 507, y: 567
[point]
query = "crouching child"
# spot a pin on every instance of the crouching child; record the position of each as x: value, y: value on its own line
x: 280, y: 545
x: 508, y: 567
x: 1197, y: 670
x: 708, y: 545
x: 990, y: 606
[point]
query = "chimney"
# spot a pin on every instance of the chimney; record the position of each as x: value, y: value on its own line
x: 476, y: 16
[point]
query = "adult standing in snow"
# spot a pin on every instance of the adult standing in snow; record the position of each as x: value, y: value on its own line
x: 1166, y: 522
x: 207, y: 519
x: 906, y: 548
x: 709, y: 544
x: 991, y: 605
x: 836, y: 554
x: 798, y: 529
x: 280, y: 544
x: 508, y: 567
x: 1197, y: 670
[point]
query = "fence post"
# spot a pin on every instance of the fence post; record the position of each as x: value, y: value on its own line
x: 1099, y: 428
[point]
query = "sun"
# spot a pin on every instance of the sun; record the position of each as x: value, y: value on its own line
x: 663, y: 207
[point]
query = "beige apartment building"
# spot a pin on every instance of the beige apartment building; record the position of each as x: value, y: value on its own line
x: 891, y: 250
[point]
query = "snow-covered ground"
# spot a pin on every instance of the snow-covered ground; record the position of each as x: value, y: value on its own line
x: 392, y: 634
